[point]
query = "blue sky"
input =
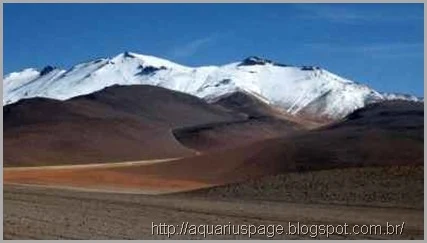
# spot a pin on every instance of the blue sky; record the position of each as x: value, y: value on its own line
x: 381, y: 45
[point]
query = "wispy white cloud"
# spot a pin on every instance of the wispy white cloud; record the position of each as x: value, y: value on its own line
x: 192, y: 47
x: 343, y: 13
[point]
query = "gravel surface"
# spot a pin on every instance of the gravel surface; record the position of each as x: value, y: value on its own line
x: 41, y: 213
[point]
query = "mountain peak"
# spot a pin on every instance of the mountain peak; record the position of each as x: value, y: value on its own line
x: 124, y: 55
x: 47, y: 69
x: 127, y: 54
x: 146, y: 60
x: 256, y: 60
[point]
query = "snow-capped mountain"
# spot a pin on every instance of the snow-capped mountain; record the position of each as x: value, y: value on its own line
x: 297, y: 90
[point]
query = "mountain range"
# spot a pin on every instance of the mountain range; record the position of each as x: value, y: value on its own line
x: 306, y: 91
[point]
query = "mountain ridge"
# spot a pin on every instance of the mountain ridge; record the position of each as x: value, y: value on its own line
x: 308, y: 90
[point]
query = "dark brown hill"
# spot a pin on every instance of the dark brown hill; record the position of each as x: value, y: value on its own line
x: 119, y: 123
x: 263, y: 122
x: 365, y: 139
